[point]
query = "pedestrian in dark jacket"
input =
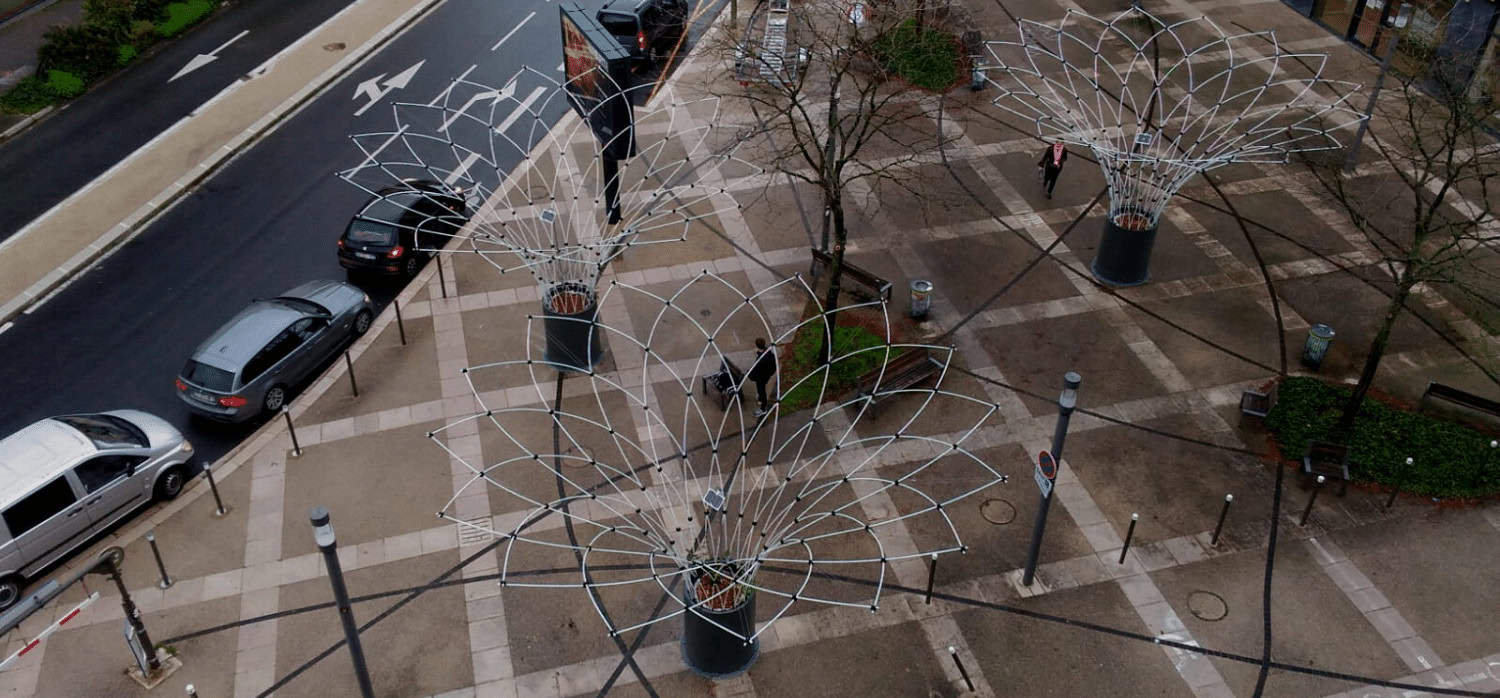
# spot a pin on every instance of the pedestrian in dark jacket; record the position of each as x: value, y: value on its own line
x: 1052, y: 163
x: 762, y: 371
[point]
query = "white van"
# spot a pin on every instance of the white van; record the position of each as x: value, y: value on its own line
x: 66, y: 478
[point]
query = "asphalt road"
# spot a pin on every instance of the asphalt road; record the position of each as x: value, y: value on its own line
x: 70, y: 148
x: 267, y: 221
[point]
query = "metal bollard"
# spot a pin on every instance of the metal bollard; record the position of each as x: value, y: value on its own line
x: 1129, y: 533
x: 953, y: 651
x: 1310, y: 500
x: 931, y: 575
x: 166, y: 581
x: 1219, y: 527
x: 400, y: 326
x: 349, y: 364
x: 296, y: 449
x: 219, y: 509
x: 442, y: 282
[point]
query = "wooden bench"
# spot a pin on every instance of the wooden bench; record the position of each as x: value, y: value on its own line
x: 902, y: 372
x: 1461, y: 398
x: 1330, y: 460
x: 868, y: 286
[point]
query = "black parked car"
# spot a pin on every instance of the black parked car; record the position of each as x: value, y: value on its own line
x: 646, y: 28
x: 397, y: 229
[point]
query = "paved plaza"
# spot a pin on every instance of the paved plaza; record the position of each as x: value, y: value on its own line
x: 1360, y: 593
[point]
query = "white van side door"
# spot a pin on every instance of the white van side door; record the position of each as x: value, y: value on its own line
x: 48, y: 522
x: 110, y: 489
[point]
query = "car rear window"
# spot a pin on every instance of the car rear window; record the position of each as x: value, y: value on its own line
x: 107, y: 431
x: 617, y: 24
x: 208, y: 376
x: 371, y: 233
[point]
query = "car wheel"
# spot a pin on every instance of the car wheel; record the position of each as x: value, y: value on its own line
x: 274, y: 400
x: 412, y: 266
x: 10, y: 591
x: 362, y: 323
x: 170, y: 484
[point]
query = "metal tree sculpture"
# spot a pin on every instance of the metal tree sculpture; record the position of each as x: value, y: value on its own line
x: 1158, y: 102
x: 635, y: 479
x: 539, y: 193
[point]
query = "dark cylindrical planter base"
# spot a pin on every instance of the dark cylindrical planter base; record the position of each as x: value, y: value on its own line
x: 1124, y: 256
x: 568, y: 314
x: 709, y: 651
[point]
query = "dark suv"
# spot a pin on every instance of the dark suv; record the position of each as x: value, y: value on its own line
x: 397, y: 229
x: 645, y: 28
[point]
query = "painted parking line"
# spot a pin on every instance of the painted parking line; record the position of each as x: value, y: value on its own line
x: 513, y: 30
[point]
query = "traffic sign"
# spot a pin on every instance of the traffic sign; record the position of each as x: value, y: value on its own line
x: 1046, y: 473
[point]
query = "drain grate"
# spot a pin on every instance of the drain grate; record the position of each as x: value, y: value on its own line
x: 468, y: 535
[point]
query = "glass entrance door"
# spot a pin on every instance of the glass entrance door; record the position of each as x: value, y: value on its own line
x: 1369, y: 20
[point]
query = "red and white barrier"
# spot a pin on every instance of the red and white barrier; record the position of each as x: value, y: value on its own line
x: 70, y: 615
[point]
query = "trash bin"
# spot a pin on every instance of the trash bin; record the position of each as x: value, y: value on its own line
x: 1319, y: 336
x: 921, y: 298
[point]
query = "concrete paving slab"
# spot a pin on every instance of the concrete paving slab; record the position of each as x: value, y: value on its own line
x: 1410, y: 562
x: 389, y: 375
x: 352, y: 479
x: 1078, y: 184
x: 95, y: 656
x: 501, y: 334
x: 1224, y: 320
x: 833, y: 667
x: 1231, y: 586
x: 403, y: 652
x: 1035, y: 354
x: 701, y: 245
x: 975, y: 268
x: 776, y: 218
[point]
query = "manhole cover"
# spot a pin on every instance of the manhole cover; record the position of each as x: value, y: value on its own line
x: 1206, y: 605
x: 997, y: 511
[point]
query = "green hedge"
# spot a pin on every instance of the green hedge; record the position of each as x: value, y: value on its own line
x: 1451, y: 460
x: 181, y: 15
x: 921, y: 56
x: 802, y: 357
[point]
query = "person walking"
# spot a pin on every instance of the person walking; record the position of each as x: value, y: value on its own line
x: 1051, y: 164
x: 761, y: 372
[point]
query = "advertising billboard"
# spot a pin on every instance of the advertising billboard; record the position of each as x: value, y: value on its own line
x: 597, y: 73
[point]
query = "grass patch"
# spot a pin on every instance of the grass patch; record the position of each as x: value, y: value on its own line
x: 63, y: 84
x: 921, y: 56
x: 801, y: 358
x: 1452, y: 460
x: 181, y: 15
x: 28, y: 96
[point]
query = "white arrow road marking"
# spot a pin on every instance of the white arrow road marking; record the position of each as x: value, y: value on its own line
x: 463, y: 169
x: 372, y: 87
x: 513, y: 30
x: 203, y: 59
x: 493, y: 95
x: 520, y: 110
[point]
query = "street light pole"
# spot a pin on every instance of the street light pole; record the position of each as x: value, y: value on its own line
x: 1065, y: 404
x: 132, y: 614
x: 323, y: 536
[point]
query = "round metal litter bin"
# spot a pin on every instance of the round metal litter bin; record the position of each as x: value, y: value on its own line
x: 1319, y: 336
x: 711, y: 651
x: 921, y: 298
x: 569, y: 315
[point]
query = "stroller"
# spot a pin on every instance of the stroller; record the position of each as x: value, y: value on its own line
x: 725, y: 382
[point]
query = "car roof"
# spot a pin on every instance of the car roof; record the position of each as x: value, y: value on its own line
x: 232, y: 345
x: 34, y: 455
x: 624, y: 6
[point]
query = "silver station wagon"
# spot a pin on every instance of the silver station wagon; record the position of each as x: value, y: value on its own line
x: 66, y: 478
x: 251, y: 364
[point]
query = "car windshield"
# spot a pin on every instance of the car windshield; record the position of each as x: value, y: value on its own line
x: 208, y: 376
x: 617, y: 24
x: 371, y: 233
x: 301, y: 305
x: 107, y: 431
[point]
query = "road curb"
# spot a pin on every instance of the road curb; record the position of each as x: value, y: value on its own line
x: 137, y: 221
x: 27, y: 122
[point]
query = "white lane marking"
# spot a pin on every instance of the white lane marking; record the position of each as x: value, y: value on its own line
x: 395, y: 82
x: 493, y: 95
x: 520, y: 110
x: 513, y: 30
x: 463, y: 168
x: 203, y: 59
x: 560, y: 67
x: 6, y: 326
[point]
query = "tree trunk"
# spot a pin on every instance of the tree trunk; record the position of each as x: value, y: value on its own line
x: 1345, y: 427
x: 835, y: 274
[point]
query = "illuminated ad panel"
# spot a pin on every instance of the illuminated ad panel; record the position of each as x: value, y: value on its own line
x: 597, y: 69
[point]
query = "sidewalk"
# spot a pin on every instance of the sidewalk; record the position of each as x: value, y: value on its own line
x: 48, y: 251
x: 1401, y: 594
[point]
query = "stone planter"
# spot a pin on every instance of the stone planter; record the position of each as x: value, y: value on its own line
x: 1124, y: 255
x: 569, y: 312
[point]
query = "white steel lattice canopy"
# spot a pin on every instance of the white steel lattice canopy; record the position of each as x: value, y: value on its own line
x: 1157, y: 101
x: 535, y: 194
x: 630, y: 481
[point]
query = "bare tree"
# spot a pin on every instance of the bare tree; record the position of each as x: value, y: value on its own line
x: 1429, y: 207
x: 820, y: 92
